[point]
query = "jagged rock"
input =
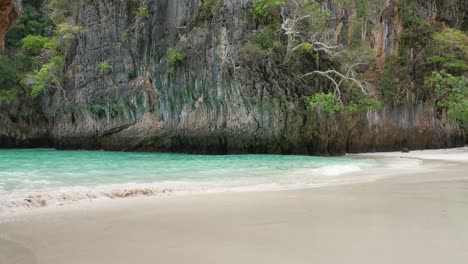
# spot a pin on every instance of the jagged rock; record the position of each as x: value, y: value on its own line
x: 211, y: 102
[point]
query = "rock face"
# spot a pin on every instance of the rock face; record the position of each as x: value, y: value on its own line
x: 10, y: 10
x: 210, y: 102
x: 21, y: 124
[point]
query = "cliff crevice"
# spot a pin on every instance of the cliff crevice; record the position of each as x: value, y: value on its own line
x: 214, y: 97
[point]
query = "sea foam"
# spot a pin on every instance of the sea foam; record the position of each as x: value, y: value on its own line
x: 31, y: 179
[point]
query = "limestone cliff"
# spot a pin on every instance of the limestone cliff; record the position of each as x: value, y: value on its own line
x: 21, y: 123
x: 216, y: 100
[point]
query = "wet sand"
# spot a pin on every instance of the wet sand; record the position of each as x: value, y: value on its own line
x: 415, y: 216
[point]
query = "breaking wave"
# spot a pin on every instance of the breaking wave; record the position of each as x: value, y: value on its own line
x: 60, y: 178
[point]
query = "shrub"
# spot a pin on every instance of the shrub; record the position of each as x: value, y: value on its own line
x: 307, y: 49
x: 58, y: 4
x: 68, y: 31
x: 34, y: 44
x: 174, y: 56
x: 451, y: 94
x: 60, y: 10
x: 105, y: 68
x: 263, y: 7
x: 266, y: 36
x: 209, y: 8
x: 48, y: 75
x: 55, y: 45
x: 7, y: 96
x: 417, y: 32
x: 255, y: 50
x: 449, y: 51
x: 142, y: 13
x: 8, y: 74
x: 363, y: 105
x: 30, y: 23
x: 23, y: 63
x: 263, y: 42
x: 325, y: 102
x: 452, y: 39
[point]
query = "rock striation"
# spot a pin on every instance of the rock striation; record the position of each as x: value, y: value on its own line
x: 212, y: 101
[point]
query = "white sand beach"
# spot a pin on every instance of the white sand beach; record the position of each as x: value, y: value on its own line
x: 415, y: 213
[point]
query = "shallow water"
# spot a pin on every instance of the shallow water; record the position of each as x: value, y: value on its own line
x: 68, y: 175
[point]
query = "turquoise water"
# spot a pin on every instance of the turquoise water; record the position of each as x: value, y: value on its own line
x: 45, y: 171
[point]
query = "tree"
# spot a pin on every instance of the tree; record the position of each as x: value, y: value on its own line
x: 49, y: 76
x: 449, y: 51
x: 451, y: 94
x: 325, y: 102
x: 8, y: 74
x: 34, y: 44
x: 305, y: 25
x: 9, y: 79
x: 32, y: 22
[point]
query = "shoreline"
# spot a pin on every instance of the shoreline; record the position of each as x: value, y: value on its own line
x: 391, y: 164
x: 416, y: 216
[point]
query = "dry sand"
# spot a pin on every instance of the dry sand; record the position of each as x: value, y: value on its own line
x: 416, y: 216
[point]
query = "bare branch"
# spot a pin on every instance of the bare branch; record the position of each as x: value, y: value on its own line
x: 299, y: 46
x: 337, y: 92
x: 363, y: 86
x: 328, y: 47
x: 291, y: 16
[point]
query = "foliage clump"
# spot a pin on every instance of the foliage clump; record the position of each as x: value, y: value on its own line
x: 7, y: 96
x: 32, y: 22
x: 364, y: 104
x: 209, y: 8
x: 142, y: 13
x: 263, y: 41
x: 49, y: 75
x: 448, y: 82
x: 38, y: 40
x: 174, y: 56
x: 68, y: 31
x: 9, y: 79
x: 105, y: 68
x: 34, y: 44
x: 265, y: 7
x: 451, y: 94
x: 325, y: 102
x: 449, y: 51
x: 328, y: 103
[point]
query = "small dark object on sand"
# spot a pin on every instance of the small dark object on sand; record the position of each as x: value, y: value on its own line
x: 405, y: 150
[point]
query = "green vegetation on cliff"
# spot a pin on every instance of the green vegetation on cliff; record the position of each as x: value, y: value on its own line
x: 307, y: 70
x: 293, y: 32
x: 32, y: 22
x: 209, y: 8
x: 105, y: 68
x: 302, y: 31
x: 37, y: 43
x: 9, y: 79
x: 431, y: 59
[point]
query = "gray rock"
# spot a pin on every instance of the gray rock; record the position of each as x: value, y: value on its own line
x: 217, y: 100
